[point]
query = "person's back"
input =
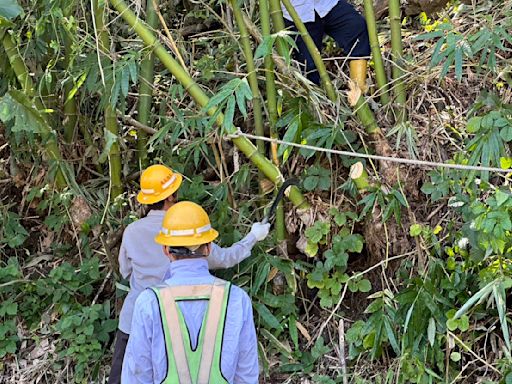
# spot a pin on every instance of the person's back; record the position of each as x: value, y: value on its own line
x: 146, y: 359
x: 193, y: 328
x: 145, y: 263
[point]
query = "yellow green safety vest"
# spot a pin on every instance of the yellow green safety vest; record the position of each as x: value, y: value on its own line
x: 202, y: 365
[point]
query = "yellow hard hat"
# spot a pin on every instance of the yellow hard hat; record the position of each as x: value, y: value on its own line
x: 157, y: 183
x: 186, y: 224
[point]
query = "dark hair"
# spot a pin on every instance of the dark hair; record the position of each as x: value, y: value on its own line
x: 182, y: 253
x: 156, y: 206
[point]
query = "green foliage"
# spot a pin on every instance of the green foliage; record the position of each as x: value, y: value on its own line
x: 329, y: 275
x: 268, y: 44
x: 454, y: 48
x: 233, y: 94
x: 390, y: 202
x: 13, y: 233
x: 317, y: 177
x: 9, y: 9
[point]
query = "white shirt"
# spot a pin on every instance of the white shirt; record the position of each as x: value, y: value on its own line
x: 144, y: 261
x: 307, y: 8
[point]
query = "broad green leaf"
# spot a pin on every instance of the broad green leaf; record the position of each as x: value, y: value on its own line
x: 364, y: 285
x: 474, y: 124
x: 311, y: 249
x: 310, y: 183
x: 9, y: 9
x: 415, y: 230
x: 455, y: 357
x: 506, y: 133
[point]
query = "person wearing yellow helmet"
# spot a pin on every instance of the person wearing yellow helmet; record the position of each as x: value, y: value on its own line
x: 143, y: 261
x: 194, y: 327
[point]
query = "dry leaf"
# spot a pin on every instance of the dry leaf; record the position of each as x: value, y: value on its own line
x: 80, y: 211
x: 272, y: 274
x: 353, y: 94
x: 303, y: 331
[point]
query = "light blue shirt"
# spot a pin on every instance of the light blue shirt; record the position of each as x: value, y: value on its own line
x: 144, y: 261
x: 307, y: 8
x: 145, y: 360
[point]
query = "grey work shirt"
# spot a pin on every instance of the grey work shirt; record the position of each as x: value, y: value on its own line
x: 144, y: 261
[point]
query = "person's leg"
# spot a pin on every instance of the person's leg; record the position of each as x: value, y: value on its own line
x: 302, y: 55
x: 117, y: 358
x: 348, y: 28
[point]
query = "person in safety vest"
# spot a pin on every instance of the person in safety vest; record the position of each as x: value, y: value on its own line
x: 338, y: 19
x: 194, y: 328
x: 144, y: 262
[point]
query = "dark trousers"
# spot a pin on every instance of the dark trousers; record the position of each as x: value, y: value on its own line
x: 345, y: 25
x: 117, y: 359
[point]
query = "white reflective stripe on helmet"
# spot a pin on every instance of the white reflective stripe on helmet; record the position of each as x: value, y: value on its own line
x: 186, y: 232
x: 169, y: 182
x: 204, y: 228
x: 182, y: 232
x: 147, y: 191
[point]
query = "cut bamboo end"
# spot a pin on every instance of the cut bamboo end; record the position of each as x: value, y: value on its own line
x: 360, y: 177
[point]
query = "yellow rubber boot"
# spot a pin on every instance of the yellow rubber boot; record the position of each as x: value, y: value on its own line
x: 358, y: 73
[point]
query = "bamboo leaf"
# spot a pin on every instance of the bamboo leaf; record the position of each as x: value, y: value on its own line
x: 458, y: 63
x: 229, y: 114
x: 500, y: 299
x: 284, y: 349
x: 110, y: 139
x: 268, y: 318
x: 477, y: 297
x: 431, y: 331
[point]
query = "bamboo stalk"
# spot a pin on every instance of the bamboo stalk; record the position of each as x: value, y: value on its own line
x: 147, y: 66
x: 48, y: 136
x: 114, y: 158
x: 251, y: 73
x: 397, y: 57
x: 270, y: 84
x: 380, y: 73
x: 278, y: 21
x: 359, y: 176
x: 70, y: 108
x: 313, y: 50
x: 243, y: 144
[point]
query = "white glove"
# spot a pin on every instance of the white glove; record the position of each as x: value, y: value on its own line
x: 260, y: 231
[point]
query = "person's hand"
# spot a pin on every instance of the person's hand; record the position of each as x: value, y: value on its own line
x: 260, y: 230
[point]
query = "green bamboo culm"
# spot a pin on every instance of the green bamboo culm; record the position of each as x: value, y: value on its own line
x: 252, y: 75
x: 70, y: 107
x: 313, y: 50
x: 147, y: 70
x: 270, y: 85
x: 397, y: 57
x: 276, y: 15
x: 48, y: 136
x: 114, y: 157
x: 380, y: 73
x: 245, y: 145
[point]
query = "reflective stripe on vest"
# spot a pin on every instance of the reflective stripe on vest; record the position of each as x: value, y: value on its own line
x: 202, y: 365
